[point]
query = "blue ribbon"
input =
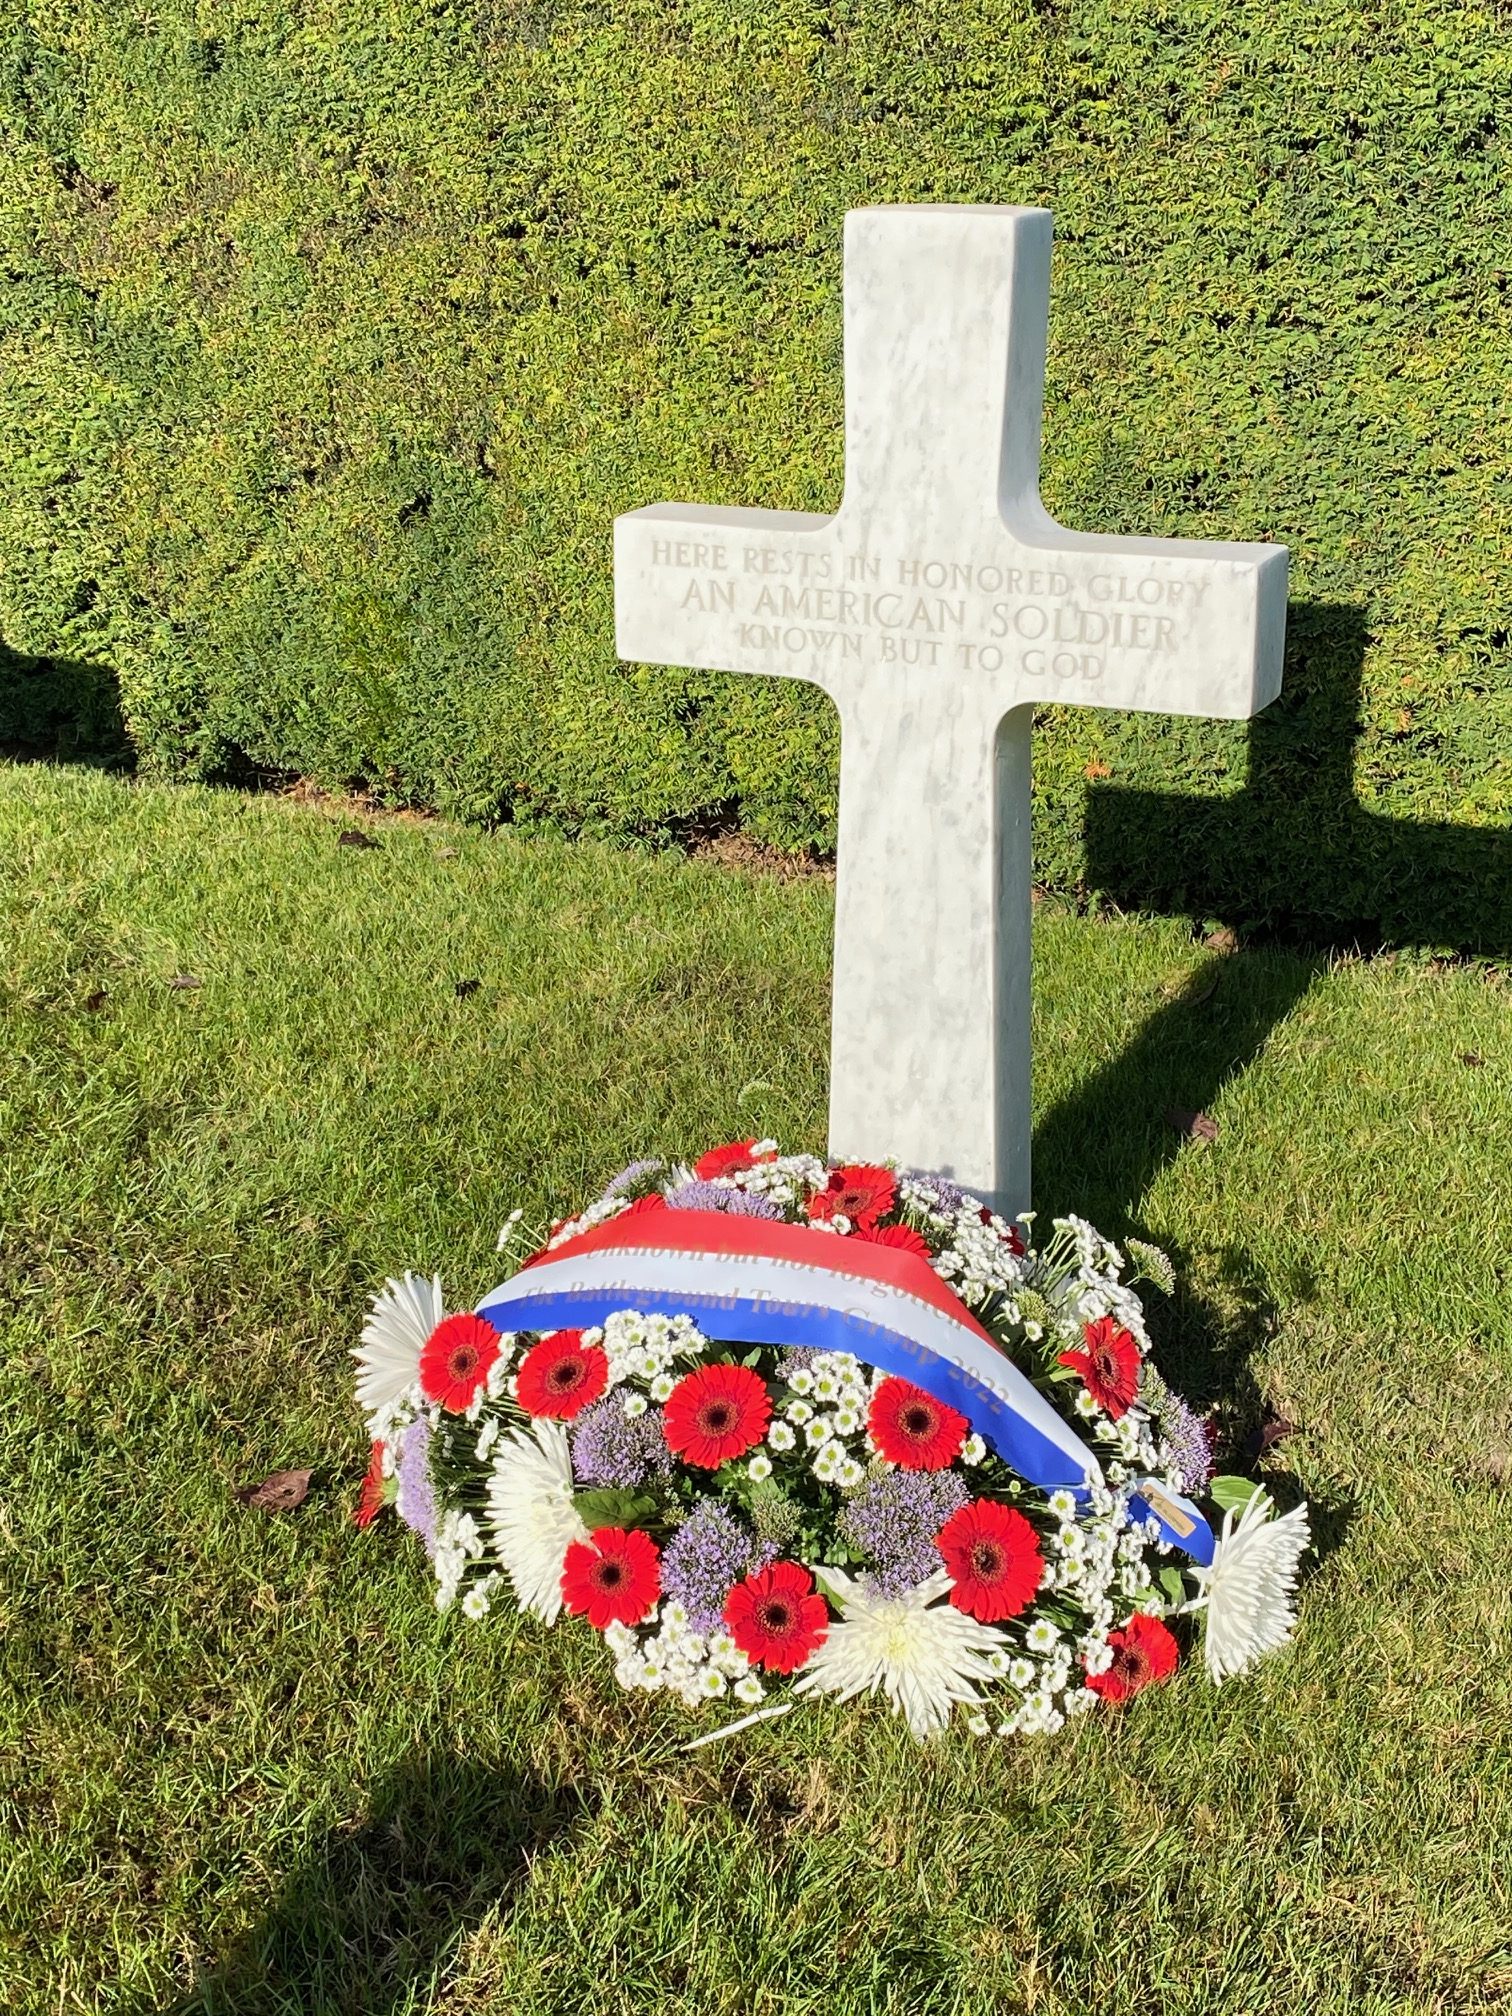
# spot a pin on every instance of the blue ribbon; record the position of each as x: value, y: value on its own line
x: 733, y: 1319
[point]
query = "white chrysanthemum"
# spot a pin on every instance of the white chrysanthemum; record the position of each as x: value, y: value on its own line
x: 403, y: 1317
x: 1248, y: 1592
x: 531, y: 1514
x: 924, y: 1655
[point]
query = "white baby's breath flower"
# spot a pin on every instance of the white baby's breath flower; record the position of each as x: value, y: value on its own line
x: 1249, y: 1591
x: 404, y: 1313
x: 475, y: 1603
x: 727, y: 1656
x: 827, y: 1463
x: 499, y: 1372
x: 924, y: 1654
x: 531, y: 1514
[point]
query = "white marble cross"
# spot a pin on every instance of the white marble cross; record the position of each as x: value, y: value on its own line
x: 938, y: 607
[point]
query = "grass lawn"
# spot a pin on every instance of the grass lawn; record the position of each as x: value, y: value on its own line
x: 245, y: 1766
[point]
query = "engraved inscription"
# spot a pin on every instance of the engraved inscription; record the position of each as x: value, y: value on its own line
x: 791, y: 601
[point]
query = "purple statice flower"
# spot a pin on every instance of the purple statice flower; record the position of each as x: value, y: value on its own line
x: 893, y: 1520
x: 708, y: 1554
x: 696, y: 1196
x: 637, y: 1172
x: 797, y: 1358
x: 1187, y: 1439
x: 612, y: 1448
x: 946, y: 1197
x: 415, y: 1501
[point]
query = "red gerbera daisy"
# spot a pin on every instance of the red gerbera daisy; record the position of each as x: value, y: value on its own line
x: 860, y: 1192
x: 374, y: 1490
x: 1108, y: 1364
x: 775, y: 1618
x: 1144, y: 1651
x: 561, y: 1375
x: 993, y: 1555
x: 458, y: 1356
x: 903, y: 1237
x: 730, y: 1160
x: 613, y: 1577
x: 717, y: 1412
x: 913, y: 1429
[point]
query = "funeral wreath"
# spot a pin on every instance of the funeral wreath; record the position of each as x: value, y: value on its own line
x: 774, y: 1428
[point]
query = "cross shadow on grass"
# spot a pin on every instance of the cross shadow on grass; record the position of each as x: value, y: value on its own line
x: 368, y: 1922
x: 1102, y: 1147
x: 1099, y: 1150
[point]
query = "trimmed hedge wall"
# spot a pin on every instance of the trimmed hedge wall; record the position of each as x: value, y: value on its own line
x: 335, y: 332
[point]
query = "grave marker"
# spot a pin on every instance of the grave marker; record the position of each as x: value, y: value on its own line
x: 937, y: 607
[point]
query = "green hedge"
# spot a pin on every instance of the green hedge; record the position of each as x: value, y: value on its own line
x: 335, y: 332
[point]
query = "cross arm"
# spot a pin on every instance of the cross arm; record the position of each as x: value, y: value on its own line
x: 725, y: 589
x: 1171, y: 626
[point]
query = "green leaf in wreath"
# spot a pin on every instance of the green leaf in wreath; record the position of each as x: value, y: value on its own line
x: 613, y: 1508
x: 1232, y: 1494
x: 1171, y: 1585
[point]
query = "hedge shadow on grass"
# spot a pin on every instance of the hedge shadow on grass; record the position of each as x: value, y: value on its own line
x: 365, y: 1923
x: 62, y: 710
x: 1370, y: 881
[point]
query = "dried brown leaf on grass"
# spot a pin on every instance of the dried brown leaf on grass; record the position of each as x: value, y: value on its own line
x: 1195, y: 1126
x: 279, y: 1491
